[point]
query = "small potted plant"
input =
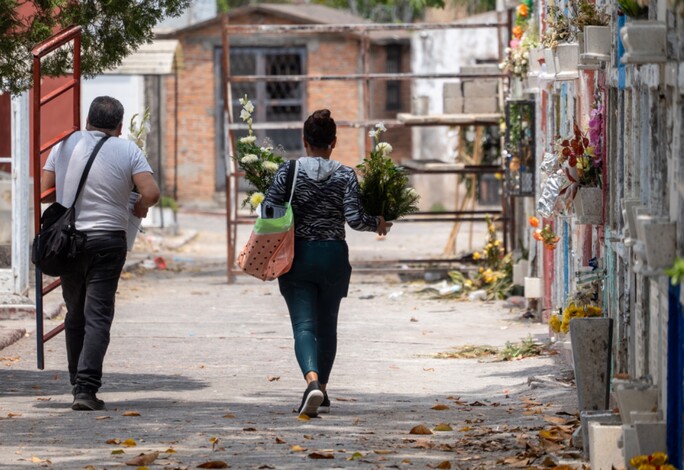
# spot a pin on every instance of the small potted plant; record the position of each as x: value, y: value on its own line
x: 593, y: 32
x: 559, y: 37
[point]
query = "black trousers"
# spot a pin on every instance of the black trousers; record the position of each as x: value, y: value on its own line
x: 89, y: 288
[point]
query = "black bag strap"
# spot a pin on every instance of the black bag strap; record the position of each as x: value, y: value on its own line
x: 86, y: 170
x: 289, y: 181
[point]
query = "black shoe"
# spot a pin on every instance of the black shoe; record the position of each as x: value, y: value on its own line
x: 325, y: 404
x: 87, y: 401
x: 312, y: 399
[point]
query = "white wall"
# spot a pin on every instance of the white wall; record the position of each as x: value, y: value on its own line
x: 129, y: 89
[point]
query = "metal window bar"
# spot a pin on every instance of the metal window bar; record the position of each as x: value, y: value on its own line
x: 233, y: 219
x: 72, y: 33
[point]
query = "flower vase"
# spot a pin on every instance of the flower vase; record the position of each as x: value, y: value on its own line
x: 596, y: 43
x: 568, y: 60
x: 588, y: 204
x: 548, y: 72
x: 591, y: 354
x: 645, y: 42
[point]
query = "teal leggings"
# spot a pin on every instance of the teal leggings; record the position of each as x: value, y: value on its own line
x: 313, y: 290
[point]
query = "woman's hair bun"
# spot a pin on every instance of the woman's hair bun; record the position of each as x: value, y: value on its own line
x: 322, y: 114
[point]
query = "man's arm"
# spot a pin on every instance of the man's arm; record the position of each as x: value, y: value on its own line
x: 149, y: 193
x: 47, y: 182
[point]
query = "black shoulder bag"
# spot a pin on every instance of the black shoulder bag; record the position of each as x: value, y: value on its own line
x: 58, y: 241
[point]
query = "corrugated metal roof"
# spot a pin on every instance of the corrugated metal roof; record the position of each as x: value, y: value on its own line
x: 157, y: 58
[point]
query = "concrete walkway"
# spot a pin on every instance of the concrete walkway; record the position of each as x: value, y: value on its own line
x: 200, y: 370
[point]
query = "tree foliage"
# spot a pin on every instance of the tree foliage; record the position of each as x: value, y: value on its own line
x: 112, y: 29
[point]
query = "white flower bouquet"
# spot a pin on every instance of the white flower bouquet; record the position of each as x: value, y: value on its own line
x: 259, y: 163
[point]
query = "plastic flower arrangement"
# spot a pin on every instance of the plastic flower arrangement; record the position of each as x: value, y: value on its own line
x: 557, y: 28
x: 259, y: 163
x: 655, y: 461
x: 516, y: 60
x: 580, y: 305
x: 545, y: 235
x: 581, y: 157
x: 385, y: 186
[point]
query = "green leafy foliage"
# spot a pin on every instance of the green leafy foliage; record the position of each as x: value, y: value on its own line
x: 632, y: 8
x: 385, y: 186
x: 676, y: 272
x: 112, y: 30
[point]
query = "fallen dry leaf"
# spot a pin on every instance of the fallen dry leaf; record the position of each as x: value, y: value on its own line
x: 229, y: 415
x: 297, y: 448
x: 131, y: 413
x: 129, y: 443
x: 118, y: 451
x: 303, y: 417
x: 13, y: 415
x: 43, y: 398
x: 321, y: 455
x: 443, y: 427
x: 272, y: 378
x: 420, y: 429
x: 113, y: 441
x: 99, y: 418
x: 214, y: 464
x: 279, y: 440
x: 35, y: 459
x: 445, y: 464
x: 440, y: 407
x: 249, y: 429
x: 355, y: 456
x: 170, y: 450
x: 383, y: 451
x: 143, y: 460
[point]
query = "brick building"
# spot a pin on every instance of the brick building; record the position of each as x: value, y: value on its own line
x: 198, y: 175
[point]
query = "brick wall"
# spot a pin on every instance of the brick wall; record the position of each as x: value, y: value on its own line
x: 326, y: 55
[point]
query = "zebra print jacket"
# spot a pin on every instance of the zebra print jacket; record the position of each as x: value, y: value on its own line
x: 326, y: 195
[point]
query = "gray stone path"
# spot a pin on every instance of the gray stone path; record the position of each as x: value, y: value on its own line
x: 210, y: 369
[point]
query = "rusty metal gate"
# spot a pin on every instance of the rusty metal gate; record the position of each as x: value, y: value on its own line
x: 41, y: 144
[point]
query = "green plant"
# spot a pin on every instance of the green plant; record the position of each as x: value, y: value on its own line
x: 526, y: 348
x: 111, y: 31
x: 633, y: 8
x: 676, y: 272
x: 385, y: 186
x: 259, y: 163
x: 169, y: 202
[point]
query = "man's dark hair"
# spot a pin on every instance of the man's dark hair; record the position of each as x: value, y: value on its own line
x: 105, y: 113
x: 320, y: 129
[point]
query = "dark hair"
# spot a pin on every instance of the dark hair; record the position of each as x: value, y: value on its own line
x: 105, y: 113
x: 320, y: 129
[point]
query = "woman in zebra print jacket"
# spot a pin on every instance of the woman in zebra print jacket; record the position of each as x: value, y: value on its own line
x: 326, y: 195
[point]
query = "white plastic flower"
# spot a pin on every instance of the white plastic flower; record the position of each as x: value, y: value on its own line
x: 266, y: 149
x: 250, y: 139
x: 270, y: 166
x: 249, y: 158
x: 411, y: 192
x: 384, y: 148
x: 249, y: 107
x: 373, y: 134
x: 245, y: 116
x: 381, y: 127
x: 256, y: 199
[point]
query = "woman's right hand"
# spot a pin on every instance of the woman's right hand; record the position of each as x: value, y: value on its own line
x: 383, y: 226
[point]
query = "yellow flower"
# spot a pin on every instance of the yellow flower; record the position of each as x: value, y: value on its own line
x: 256, y: 199
x: 477, y: 255
x: 497, y: 242
x: 594, y: 311
x: 469, y: 283
x: 638, y: 460
x: 647, y: 466
x: 555, y: 323
x: 658, y: 458
x: 481, y: 270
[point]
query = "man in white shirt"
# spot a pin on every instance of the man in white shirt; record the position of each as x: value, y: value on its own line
x: 89, y: 286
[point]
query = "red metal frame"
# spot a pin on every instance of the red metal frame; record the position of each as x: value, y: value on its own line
x: 72, y: 33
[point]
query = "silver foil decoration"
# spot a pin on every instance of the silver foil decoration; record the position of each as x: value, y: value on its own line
x: 549, y: 163
x: 550, y: 192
